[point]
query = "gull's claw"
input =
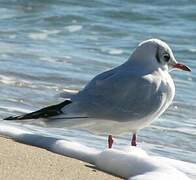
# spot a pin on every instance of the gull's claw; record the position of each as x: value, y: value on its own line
x: 133, y: 141
x: 110, y: 141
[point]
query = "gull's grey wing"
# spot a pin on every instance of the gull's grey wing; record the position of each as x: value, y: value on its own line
x: 122, y: 94
x: 67, y: 94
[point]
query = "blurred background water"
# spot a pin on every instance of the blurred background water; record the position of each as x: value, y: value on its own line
x: 49, y: 46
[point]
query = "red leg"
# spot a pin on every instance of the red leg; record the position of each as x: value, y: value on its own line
x: 133, y: 141
x: 110, y: 141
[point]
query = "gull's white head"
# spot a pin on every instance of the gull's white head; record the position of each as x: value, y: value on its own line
x: 153, y: 54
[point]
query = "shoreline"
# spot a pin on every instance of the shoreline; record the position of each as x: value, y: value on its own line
x: 21, y: 161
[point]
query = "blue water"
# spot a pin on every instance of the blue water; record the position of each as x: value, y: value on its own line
x: 48, y: 46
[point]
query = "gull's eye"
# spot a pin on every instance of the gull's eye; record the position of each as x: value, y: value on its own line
x: 166, y: 57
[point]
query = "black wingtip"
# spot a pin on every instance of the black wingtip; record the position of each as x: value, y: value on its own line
x: 42, y: 113
x: 10, y: 118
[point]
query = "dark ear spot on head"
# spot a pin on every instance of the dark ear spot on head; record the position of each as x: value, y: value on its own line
x: 157, y: 55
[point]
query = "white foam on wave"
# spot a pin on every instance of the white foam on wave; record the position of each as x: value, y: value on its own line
x: 64, y: 59
x: 112, y: 51
x: 7, y: 80
x: 192, y: 50
x: 68, y: 93
x: 73, y: 28
x: 134, y: 164
x: 38, y: 36
x: 115, y: 51
x: 13, y: 36
x: 54, y: 31
x: 14, y: 109
x: 4, y: 56
x: 14, y: 81
x: 43, y: 35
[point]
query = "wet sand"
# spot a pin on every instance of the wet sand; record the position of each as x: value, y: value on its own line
x: 20, y: 161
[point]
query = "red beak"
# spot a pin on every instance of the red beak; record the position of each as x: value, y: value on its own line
x: 182, y: 67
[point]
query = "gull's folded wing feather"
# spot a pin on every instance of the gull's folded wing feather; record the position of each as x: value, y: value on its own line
x: 117, y: 93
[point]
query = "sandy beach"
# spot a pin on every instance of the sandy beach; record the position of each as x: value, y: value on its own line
x: 20, y: 161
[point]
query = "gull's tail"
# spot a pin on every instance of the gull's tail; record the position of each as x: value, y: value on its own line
x: 42, y: 113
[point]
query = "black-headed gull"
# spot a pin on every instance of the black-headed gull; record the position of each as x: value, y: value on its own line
x: 138, y: 91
